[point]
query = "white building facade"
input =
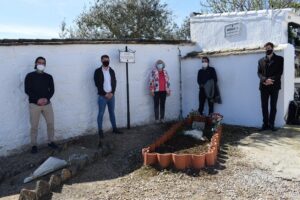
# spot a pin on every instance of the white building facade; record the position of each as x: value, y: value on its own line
x: 232, y: 41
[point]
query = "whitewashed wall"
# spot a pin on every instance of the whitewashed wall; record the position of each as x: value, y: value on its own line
x: 75, y: 98
x: 239, y: 87
x: 257, y: 28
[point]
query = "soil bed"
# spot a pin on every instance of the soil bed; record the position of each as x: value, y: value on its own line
x: 184, y: 144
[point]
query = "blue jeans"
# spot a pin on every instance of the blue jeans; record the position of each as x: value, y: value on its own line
x: 102, y: 101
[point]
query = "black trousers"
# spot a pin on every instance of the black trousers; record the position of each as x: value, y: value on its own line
x: 202, y: 98
x: 265, y: 94
x: 159, y: 104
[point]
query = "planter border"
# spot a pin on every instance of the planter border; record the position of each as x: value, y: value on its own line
x: 184, y: 161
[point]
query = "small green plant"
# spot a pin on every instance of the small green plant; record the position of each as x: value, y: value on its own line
x: 194, y: 113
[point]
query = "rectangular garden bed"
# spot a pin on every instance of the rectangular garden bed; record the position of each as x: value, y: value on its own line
x: 174, y: 148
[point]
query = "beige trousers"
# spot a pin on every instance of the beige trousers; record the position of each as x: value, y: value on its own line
x: 35, y: 113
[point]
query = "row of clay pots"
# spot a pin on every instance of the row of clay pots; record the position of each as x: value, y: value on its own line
x: 182, y: 161
x: 211, y: 155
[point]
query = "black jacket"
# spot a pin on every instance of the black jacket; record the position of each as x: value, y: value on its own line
x: 206, y: 74
x: 99, y: 80
x: 272, y: 69
x: 39, y: 85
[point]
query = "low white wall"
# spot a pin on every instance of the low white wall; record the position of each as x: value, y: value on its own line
x: 75, y: 99
x: 239, y: 87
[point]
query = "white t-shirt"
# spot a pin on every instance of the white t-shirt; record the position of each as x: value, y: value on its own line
x: 107, y: 80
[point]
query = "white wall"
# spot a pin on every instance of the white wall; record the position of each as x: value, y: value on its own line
x: 257, y: 28
x: 239, y: 87
x: 75, y: 98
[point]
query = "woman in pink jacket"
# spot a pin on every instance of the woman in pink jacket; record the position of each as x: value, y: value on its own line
x: 160, y: 88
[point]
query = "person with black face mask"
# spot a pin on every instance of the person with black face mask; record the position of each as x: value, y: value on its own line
x: 270, y: 69
x: 105, y: 81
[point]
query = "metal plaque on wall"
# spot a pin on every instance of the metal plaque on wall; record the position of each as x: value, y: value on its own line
x: 232, y: 29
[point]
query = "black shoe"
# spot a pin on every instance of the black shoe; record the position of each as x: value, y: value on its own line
x: 117, y: 131
x: 101, y: 135
x: 34, y: 149
x: 272, y: 128
x: 264, y: 128
x: 100, y: 144
x: 52, y: 145
x: 201, y: 113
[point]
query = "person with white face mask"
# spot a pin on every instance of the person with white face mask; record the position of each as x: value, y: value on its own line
x: 39, y: 87
x: 206, y: 76
x: 160, y: 89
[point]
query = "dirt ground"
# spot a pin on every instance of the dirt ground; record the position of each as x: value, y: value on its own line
x: 278, y: 152
x: 247, y: 169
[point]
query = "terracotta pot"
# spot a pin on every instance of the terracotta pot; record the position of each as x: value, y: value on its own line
x: 188, y: 121
x: 169, y: 134
x: 214, y: 143
x: 208, y: 121
x: 215, y: 152
x: 164, y: 160
x: 198, y: 161
x: 150, y: 158
x: 199, y: 118
x: 181, y: 161
x: 163, y: 138
x: 188, y: 161
x: 152, y: 147
x: 144, y: 150
x: 176, y: 126
x: 209, y: 158
x: 220, y: 130
x: 159, y: 142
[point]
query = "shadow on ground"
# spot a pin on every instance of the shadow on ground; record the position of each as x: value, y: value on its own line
x: 124, y: 158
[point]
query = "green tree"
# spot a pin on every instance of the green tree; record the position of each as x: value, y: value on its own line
x: 143, y: 19
x: 183, y: 33
x: 220, y: 6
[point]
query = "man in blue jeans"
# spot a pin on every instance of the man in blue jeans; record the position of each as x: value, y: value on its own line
x: 105, y: 81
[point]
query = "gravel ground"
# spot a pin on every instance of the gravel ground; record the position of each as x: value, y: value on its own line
x: 121, y: 175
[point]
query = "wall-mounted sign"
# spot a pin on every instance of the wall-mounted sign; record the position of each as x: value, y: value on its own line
x: 127, y: 57
x: 232, y: 29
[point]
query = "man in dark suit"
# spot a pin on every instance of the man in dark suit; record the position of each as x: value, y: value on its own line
x: 270, y: 69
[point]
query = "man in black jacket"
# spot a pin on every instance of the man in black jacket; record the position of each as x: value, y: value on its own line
x: 270, y: 69
x: 105, y: 81
x: 39, y: 87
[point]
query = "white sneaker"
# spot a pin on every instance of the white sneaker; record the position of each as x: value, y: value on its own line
x: 162, y: 120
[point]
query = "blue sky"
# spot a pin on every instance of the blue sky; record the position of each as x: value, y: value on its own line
x: 41, y: 18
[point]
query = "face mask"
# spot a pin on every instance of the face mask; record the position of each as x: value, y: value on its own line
x: 269, y: 52
x: 205, y: 65
x: 105, y: 63
x: 40, y: 67
x: 160, y: 66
